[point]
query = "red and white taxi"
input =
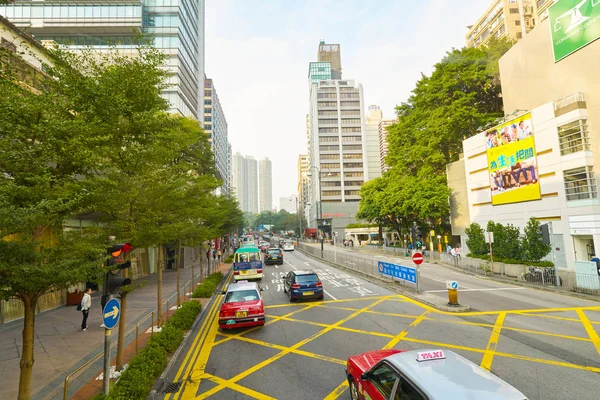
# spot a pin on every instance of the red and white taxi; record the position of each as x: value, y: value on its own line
x: 242, y: 306
x: 421, y: 375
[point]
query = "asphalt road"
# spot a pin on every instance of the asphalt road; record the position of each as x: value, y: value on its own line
x: 547, y: 353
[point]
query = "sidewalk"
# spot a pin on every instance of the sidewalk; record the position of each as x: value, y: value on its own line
x: 61, y: 346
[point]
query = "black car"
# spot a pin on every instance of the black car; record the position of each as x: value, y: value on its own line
x: 274, y: 256
x: 303, y: 285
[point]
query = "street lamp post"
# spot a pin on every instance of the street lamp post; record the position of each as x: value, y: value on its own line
x: 298, y: 220
x: 319, y: 207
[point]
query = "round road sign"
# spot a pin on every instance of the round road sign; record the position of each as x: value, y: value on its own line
x: 417, y: 258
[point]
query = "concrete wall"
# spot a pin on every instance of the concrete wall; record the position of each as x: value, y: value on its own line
x: 459, y: 202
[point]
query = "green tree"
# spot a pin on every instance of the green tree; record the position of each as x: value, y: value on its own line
x: 476, y: 240
x: 507, y: 241
x: 533, y: 247
x: 45, y: 161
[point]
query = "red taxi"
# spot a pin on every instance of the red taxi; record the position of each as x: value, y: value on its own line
x: 242, y: 306
x: 423, y: 375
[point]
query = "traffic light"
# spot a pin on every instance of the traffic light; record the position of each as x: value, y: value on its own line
x: 115, y: 260
x: 543, y: 232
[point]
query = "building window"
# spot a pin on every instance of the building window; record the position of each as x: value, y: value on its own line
x: 350, y: 121
x: 327, y: 104
x: 514, y: 10
x: 351, y: 138
x: 349, y: 96
x: 328, y: 121
x: 329, y: 148
x: 330, y: 184
x: 323, y: 139
x: 519, y: 35
x: 328, y: 130
x: 518, y: 23
x: 353, y: 156
x: 329, y: 166
x: 332, y: 193
x: 207, y: 110
x: 353, y: 165
x: 573, y: 137
x: 328, y: 112
x: 352, y: 147
x: 580, y: 183
x: 353, y: 183
x: 350, y: 104
x: 207, y: 93
x: 207, y: 119
x: 352, y: 192
x: 326, y: 95
x: 330, y: 156
x: 351, y: 129
x: 353, y: 174
x: 208, y: 127
x: 207, y: 102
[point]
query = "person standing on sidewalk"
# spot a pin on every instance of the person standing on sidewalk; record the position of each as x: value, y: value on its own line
x: 86, y: 303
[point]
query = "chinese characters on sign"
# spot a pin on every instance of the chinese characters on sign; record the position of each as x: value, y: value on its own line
x: 512, y: 164
x: 399, y: 272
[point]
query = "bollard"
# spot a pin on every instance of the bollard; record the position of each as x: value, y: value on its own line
x: 452, y: 287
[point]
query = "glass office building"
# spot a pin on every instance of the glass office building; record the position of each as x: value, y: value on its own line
x: 177, y: 28
x: 318, y: 71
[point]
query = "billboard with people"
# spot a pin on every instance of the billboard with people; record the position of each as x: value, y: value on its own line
x: 512, y: 163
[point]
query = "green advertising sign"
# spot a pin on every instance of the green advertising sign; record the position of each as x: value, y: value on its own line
x: 574, y: 24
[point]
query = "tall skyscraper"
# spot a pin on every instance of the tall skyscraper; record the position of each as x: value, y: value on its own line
x: 331, y: 53
x: 265, y: 184
x: 177, y: 28
x: 383, y: 143
x: 505, y: 18
x: 215, y: 126
x: 374, y: 118
x: 252, y: 183
x: 303, y: 168
x: 336, y: 144
x: 239, y: 183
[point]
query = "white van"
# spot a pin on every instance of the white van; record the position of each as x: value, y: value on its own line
x: 288, y: 245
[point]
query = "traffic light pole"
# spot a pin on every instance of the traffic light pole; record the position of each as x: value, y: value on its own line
x: 107, y: 337
x: 553, y: 254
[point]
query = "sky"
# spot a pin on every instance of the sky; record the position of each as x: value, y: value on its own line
x: 257, y: 53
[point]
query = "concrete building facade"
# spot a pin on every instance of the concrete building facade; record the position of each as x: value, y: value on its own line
x: 503, y: 18
x: 245, y: 182
x: 265, y: 185
x: 330, y: 53
x: 373, y: 125
x: 383, y: 143
x: 564, y: 100
x: 251, y: 170
x: 303, y: 181
x: 337, y: 148
x: 215, y: 125
x: 177, y: 27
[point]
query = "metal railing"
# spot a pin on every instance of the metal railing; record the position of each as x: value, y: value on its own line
x: 84, y: 366
x: 569, y: 99
x: 365, y: 265
x: 137, y: 327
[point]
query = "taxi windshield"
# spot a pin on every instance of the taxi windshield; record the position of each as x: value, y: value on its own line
x: 241, y: 295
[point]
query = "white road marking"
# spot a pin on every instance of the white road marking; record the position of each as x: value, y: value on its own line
x: 279, y: 287
x: 290, y: 265
x: 327, y: 293
x: 444, y: 282
x: 477, y: 290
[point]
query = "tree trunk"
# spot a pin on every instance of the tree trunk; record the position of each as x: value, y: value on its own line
x: 178, y: 276
x: 27, y: 360
x: 159, y: 286
x: 122, y: 320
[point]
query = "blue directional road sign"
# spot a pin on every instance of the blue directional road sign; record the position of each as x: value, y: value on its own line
x: 454, y: 285
x: 399, y: 272
x: 111, y: 313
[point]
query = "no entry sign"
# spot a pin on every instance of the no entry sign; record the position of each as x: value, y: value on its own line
x: 417, y: 258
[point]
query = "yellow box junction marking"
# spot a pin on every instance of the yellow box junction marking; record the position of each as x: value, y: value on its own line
x: 200, y: 358
x: 290, y: 349
x: 488, y: 356
x: 590, y: 330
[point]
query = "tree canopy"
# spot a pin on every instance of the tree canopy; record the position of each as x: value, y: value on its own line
x: 459, y: 99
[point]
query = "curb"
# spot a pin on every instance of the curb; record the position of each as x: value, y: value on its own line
x: 185, y: 343
x: 387, y: 285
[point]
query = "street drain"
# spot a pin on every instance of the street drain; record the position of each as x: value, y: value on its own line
x: 172, y: 387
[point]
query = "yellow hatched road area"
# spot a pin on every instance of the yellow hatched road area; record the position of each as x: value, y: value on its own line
x: 193, y: 368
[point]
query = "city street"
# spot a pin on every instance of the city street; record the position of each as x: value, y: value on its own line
x: 547, y: 353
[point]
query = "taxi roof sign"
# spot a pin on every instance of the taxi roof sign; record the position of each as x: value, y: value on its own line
x: 430, y: 355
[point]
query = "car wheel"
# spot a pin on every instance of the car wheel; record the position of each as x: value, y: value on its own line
x: 320, y: 298
x: 353, y: 391
x: 284, y: 289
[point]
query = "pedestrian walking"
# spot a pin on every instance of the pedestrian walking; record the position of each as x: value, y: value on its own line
x: 457, y: 251
x: 86, y: 304
x: 219, y: 255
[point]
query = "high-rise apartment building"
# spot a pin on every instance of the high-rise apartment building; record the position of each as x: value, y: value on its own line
x: 336, y: 146
x: 330, y: 53
x: 383, y: 143
x: 177, y: 28
x: 215, y: 125
x: 503, y: 18
x: 372, y: 122
x: 245, y: 182
x: 303, y: 168
x: 265, y: 185
x: 251, y: 169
